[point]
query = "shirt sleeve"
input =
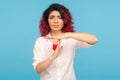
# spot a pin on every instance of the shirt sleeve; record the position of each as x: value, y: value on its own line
x: 80, y: 44
x: 37, y: 51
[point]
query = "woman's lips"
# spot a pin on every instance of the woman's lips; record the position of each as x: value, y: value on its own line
x: 55, y: 26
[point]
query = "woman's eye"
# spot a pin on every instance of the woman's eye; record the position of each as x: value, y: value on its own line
x: 50, y: 17
x: 59, y: 17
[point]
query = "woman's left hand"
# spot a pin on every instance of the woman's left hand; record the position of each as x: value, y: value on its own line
x: 62, y: 36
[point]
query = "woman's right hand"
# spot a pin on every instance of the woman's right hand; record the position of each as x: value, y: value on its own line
x: 57, y: 50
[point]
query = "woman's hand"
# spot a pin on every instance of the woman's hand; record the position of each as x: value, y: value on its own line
x: 42, y: 66
x: 62, y: 36
x: 57, y: 51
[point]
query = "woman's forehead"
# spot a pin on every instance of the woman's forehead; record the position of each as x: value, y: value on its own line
x: 55, y: 13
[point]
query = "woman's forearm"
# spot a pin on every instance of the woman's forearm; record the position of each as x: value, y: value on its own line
x: 42, y: 66
x: 89, y: 38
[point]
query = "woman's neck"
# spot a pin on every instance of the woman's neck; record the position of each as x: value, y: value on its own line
x: 56, y: 33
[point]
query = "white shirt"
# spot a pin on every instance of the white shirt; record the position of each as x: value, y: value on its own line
x: 62, y: 67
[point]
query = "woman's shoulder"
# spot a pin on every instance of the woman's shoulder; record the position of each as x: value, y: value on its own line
x: 40, y: 39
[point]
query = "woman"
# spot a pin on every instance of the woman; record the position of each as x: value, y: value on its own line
x: 54, y: 51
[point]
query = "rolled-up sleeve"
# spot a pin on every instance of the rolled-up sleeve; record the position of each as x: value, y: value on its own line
x: 80, y: 44
x: 37, y: 51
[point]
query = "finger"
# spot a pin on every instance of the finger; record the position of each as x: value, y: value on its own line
x: 61, y: 48
x: 58, y: 45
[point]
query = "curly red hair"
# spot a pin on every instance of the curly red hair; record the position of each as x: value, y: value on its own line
x: 66, y: 16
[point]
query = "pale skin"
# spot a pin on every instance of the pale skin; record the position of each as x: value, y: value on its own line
x: 56, y: 23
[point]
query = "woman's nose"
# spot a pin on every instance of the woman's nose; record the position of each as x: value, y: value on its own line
x: 56, y: 20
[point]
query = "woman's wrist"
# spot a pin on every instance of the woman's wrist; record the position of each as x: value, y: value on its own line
x: 69, y: 34
x: 52, y: 58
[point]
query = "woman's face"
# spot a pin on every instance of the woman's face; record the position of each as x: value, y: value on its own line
x: 55, y: 21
